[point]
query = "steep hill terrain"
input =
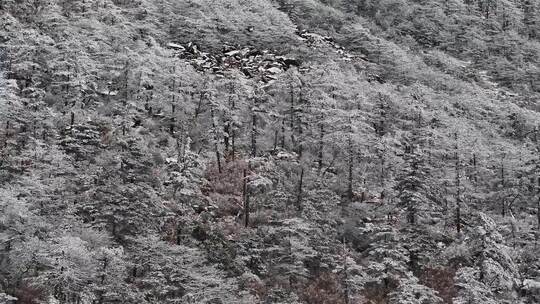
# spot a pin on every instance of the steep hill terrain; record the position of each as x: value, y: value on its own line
x: 288, y: 151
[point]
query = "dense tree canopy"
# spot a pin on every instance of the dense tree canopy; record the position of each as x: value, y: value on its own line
x: 291, y: 151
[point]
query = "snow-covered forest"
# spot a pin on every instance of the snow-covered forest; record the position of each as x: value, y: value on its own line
x: 270, y: 151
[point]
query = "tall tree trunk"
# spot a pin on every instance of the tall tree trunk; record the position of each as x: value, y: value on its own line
x: 199, y: 106
x: 216, y: 139
x: 233, y: 144
x: 300, y: 190
x: 283, y: 133
x: 381, y: 178
x: 475, y: 169
x: 173, y: 119
x: 350, y: 179
x: 321, y: 147
x: 300, y: 148
x: 292, y: 118
x: 227, y: 131
x: 503, y: 177
x: 173, y: 98
x: 246, y: 199
x: 458, y: 190
x: 276, y: 134
x: 231, y: 133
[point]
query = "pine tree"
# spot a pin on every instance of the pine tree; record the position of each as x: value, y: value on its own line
x: 412, y: 188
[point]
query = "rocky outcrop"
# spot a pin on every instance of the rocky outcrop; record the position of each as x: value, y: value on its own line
x: 253, y: 63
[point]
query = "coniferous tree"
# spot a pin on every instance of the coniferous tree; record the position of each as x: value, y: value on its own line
x: 412, y: 187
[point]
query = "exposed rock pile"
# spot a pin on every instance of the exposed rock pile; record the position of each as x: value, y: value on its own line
x: 253, y: 63
x: 317, y: 41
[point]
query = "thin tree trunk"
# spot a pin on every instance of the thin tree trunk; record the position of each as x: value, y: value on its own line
x: 350, y: 183
x: 276, y: 134
x: 246, y: 200
x: 503, y: 181
x: 321, y: 147
x: 382, y: 170
x: 126, y: 78
x: 283, y: 134
x: 227, y: 130
x: 233, y: 139
x: 458, y: 190
x: 216, y: 139
x: 292, y: 118
x: 172, y: 95
x: 300, y: 196
x: 300, y: 149
x: 199, y: 105
x: 475, y: 169
x: 173, y: 119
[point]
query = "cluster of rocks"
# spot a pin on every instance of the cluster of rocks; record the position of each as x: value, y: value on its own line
x: 317, y: 41
x: 252, y: 62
